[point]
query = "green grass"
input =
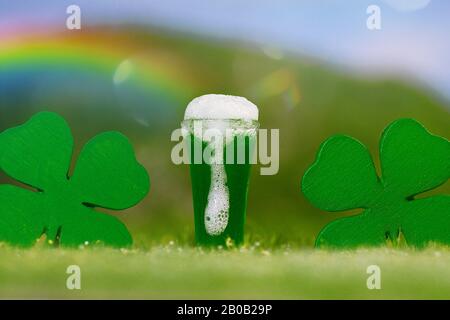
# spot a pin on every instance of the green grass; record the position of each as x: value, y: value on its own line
x: 172, y: 271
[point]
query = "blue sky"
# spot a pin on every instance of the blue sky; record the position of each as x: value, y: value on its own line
x: 413, y: 42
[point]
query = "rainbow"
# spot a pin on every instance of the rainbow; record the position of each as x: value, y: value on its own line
x: 101, y: 53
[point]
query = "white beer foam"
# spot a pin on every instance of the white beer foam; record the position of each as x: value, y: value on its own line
x: 220, y: 106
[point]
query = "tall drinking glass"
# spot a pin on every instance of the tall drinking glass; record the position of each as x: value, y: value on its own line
x: 221, y: 154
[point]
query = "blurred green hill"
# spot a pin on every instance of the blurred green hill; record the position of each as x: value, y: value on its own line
x: 305, y: 99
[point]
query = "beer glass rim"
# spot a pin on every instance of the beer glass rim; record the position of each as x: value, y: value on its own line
x: 245, y: 123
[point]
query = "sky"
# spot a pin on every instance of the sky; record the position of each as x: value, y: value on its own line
x: 413, y: 41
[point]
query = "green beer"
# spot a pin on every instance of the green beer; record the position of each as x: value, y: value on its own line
x: 221, y: 154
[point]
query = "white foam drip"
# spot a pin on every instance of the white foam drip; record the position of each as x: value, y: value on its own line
x: 216, y: 212
x: 219, y: 107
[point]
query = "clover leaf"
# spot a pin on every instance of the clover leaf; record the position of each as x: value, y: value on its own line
x: 39, y: 155
x: 413, y: 161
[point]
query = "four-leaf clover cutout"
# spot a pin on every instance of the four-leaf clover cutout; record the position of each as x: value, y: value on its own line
x: 61, y: 203
x: 413, y: 161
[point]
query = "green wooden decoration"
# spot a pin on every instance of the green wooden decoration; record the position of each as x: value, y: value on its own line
x: 62, y: 207
x: 413, y: 161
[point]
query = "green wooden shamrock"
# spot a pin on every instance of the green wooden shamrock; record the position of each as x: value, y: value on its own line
x: 39, y: 154
x: 413, y: 161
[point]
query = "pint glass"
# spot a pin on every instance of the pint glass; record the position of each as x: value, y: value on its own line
x: 221, y: 153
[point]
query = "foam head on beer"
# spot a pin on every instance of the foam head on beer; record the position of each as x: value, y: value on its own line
x: 220, y: 106
x: 215, y: 109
